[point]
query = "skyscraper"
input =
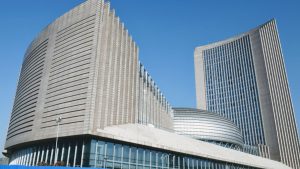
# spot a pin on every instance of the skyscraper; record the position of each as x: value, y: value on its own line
x: 243, y: 78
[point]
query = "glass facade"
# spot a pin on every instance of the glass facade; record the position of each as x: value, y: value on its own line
x: 100, y: 153
x: 231, y: 88
x: 105, y: 154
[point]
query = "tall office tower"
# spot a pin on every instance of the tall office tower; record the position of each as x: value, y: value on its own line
x: 83, y: 68
x: 243, y: 78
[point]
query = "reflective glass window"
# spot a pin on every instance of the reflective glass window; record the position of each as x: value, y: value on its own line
x: 118, y: 152
x: 109, y: 151
x: 153, y: 158
x: 159, y: 159
x: 147, y: 157
x: 140, y: 156
x: 133, y: 154
x: 125, y: 153
x: 99, y: 153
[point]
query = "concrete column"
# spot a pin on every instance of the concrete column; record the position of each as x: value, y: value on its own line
x: 75, y: 155
x: 47, y: 152
x: 33, y: 158
x: 42, y: 155
x: 82, y: 153
x: 51, y: 156
x: 68, y: 156
x: 62, y: 153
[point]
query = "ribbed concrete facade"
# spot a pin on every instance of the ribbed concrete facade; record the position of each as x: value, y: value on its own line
x: 243, y: 78
x: 153, y: 108
x: 84, y: 68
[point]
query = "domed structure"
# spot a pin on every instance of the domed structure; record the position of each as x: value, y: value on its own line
x: 207, y: 126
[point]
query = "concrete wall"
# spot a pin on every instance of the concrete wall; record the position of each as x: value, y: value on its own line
x: 84, y: 68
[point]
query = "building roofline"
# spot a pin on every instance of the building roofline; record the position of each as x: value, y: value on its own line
x: 156, y: 138
x: 232, y: 38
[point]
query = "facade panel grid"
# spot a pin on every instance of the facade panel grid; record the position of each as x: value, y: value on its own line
x: 228, y: 93
x: 251, y: 71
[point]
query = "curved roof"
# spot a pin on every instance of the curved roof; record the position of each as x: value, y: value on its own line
x: 206, y: 126
x: 157, y: 138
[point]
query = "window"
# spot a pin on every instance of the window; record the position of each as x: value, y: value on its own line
x: 133, y: 155
x: 118, y: 152
x: 109, y: 151
x: 147, y: 157
x: 125, y: 154
x: 153, y: 158
x: 140, y: 156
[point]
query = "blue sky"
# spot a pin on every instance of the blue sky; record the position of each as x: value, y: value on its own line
x: 166, y: 31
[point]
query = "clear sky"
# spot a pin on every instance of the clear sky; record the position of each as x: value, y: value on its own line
x: 167, y: 31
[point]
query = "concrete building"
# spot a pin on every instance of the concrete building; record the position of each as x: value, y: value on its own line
x: 83, y: 67
x: 243, y: 79
x: 84, y: 100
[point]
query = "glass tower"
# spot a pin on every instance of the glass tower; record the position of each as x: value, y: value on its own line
x: 231, y: 89
x: 243, y: 78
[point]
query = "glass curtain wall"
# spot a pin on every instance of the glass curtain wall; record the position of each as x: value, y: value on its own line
x: 96, y: 153
x: 119, y: 156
